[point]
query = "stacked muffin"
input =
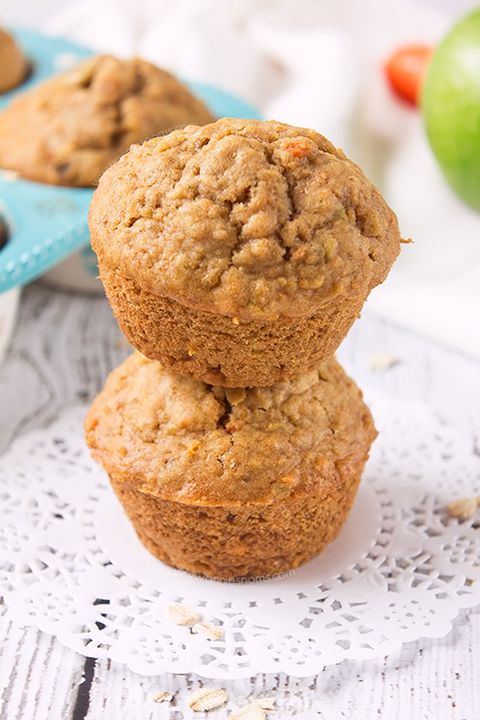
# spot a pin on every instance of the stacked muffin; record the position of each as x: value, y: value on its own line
x: 236, y: 256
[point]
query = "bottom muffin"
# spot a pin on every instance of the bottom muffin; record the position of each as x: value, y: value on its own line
x: 231, y: 482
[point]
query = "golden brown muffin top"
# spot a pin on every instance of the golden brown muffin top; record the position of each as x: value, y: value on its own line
x: 13, y: 63
x: 70, y: 128
x: 245, y: 218
x: 179, y: 439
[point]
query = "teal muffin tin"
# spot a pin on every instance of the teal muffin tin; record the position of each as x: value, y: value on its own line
x: 46, y: 223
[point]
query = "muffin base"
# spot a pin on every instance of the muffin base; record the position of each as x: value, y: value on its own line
x: 220, y: 350
x: 233, y: 543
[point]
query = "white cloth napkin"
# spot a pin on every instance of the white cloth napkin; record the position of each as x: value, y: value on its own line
x: 320, y: 65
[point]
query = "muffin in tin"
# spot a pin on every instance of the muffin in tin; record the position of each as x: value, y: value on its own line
x: 240, y: 252
x: 70, y: 128
x: 14, y: 66
x: 236, y: 482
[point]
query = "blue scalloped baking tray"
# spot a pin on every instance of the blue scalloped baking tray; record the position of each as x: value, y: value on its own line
x: 46, y: 223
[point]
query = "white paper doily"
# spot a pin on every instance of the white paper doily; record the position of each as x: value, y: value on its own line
x: 71, y: 565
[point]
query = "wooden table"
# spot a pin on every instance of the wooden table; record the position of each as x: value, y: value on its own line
x: 63, y: 347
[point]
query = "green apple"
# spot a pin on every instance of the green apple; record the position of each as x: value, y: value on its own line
x: 451, y: 107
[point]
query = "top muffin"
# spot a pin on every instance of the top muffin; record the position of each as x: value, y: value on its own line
x: 13, y: 63
x: 248, y: 219
x: 69, y: 129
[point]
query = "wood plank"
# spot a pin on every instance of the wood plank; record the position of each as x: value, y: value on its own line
x: 39, y: 678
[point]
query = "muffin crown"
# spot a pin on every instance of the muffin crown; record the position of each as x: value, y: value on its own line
x: 13, y: 63
x: 180, y: 439
x: 70, y: 128
x: 249, y: 219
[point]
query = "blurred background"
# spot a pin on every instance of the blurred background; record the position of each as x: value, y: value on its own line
x: 326, y: 65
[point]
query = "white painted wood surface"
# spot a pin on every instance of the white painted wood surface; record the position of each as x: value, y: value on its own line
x: 62, y: 350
